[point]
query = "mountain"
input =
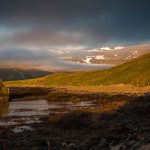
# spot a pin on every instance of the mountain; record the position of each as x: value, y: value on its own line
x: 7, y: 74
x: 135, y: 71
x: 107, y: 55
x: 72, y: 59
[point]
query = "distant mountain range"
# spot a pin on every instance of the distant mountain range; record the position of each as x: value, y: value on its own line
x: 105, y: 55
x: 70, y: 60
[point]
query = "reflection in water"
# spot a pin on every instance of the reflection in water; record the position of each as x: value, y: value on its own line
x: 42, y: 107
x: 4, y: 108
x: 21, y: 129
x: 26, y: 105
x: 28, y: 108
x: 27, y: 112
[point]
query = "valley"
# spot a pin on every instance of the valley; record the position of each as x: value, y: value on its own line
x: 75, y: 75
x: 79, y: 110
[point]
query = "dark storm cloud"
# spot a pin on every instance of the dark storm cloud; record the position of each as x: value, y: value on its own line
x: 88, y: 23
x: 17, y: 54
x: 42, y: 37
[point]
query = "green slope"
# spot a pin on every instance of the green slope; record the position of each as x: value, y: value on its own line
x: 136, y: 71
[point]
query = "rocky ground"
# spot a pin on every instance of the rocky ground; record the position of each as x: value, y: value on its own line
x: 124, y: 127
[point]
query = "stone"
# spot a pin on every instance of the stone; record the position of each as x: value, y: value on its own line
x: 116, y: 147
x: 145, y: 147
x: 102, y: 143
x: 130, y: 143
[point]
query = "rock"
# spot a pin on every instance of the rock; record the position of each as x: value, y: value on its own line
x: 130, y: 143
x: 85, y: 144
x: 103, y: 143
x: 64, y: 144
x: 136, y: 145
x: 49, y: 145
x: 71, y: 145
x: 4, y: 93
x: 145, y: 147
x: 147, y: 94
x: 117, y: 147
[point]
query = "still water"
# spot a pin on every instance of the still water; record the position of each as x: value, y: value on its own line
x: 31, y: 111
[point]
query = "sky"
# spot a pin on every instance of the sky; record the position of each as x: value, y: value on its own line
x: 28, y: 28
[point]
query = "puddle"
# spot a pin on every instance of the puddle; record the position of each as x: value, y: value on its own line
x: 41, y: 107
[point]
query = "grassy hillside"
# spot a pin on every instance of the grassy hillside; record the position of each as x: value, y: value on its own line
x: 7, y: 74
x: 136, y: 71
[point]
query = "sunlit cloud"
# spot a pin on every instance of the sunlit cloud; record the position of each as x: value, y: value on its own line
x: 115, y: 48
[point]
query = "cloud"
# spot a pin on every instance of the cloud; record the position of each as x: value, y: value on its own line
x: 109, y: 49
x: 29, y: 30
x: 89, y: 23
x: 106, y: 48
x: 17, y: 54
x: 118, y: 47
x: 74, y: 65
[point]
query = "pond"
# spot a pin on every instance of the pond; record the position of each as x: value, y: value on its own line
x: 31, y: 111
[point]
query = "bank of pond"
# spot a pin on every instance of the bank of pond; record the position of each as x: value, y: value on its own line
x: 4, y: 93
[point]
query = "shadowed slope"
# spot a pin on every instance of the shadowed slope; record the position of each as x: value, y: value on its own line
x: 8, y: 74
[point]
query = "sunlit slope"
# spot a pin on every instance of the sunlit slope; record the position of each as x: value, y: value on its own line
x: 136, y: 71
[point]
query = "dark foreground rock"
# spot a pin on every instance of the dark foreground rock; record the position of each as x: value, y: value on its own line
x: 125, y: 128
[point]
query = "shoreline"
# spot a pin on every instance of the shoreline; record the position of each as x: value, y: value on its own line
x: 120, y: 121
x: 125, y: 127
x: 108, y: 89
